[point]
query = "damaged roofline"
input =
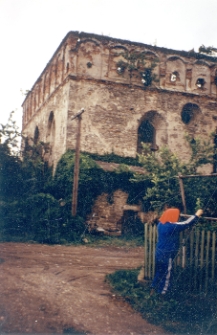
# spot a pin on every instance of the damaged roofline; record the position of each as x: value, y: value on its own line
x: 187, y: 54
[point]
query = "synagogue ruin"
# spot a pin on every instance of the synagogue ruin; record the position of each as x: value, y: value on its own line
x: 131, y: 93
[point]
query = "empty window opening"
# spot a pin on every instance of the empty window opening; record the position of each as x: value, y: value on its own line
x: 200, y: 82
x: 50, y: 119
x: 89, y: 65
x: 51, y: 129
x: 215, y: 78
x: 146, y: 134
x: 36, y: 135
x: 215, y: 153
x: 189, y: 112
x: 174, y: 76
x: 147, y: 77
x: 121, y: 67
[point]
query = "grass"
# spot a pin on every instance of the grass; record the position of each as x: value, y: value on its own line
x: 111, y: 241
x: 179, y: 312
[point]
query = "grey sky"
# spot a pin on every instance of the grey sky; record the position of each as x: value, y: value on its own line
x: 31, y: 30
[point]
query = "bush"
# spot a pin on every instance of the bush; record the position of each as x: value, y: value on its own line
x: 93, y: 181
x: 162, y: 171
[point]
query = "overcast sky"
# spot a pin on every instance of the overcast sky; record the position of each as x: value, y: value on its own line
x: 31, y: 31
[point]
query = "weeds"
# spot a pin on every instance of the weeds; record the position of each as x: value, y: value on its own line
x: 109, y: 241
x: 179, y: 312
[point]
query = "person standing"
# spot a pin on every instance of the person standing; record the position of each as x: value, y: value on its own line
x: 168, y: 246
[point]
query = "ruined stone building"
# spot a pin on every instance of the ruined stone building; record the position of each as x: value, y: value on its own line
x: 110, y: 79
x: 131, y: 93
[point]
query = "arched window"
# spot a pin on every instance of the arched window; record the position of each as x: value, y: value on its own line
x: 146, y: 134
x: 50, y: 120
x: 51, y: 129
x: 189, y: 113
x: 174, y: 76
x: 215, y: 153
x: 215, y: 78
x: 151, y: 131
x: 200, y: 83
x: 36, y: 135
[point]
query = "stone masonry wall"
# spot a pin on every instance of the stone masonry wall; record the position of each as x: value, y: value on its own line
x: 114, y: 112
x: 106, y: 215
x: 92, y: 72
x: 86, y: 71
x: 51, y: 122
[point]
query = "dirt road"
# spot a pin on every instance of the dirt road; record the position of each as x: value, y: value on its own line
x: 54, y: 289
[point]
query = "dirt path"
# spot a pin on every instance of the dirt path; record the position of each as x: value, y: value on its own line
x: 48, y: 289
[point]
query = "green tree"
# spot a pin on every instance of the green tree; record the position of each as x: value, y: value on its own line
x: 162, y: 169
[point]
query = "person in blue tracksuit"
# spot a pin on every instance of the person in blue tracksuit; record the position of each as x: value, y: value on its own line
x: 168, y: 246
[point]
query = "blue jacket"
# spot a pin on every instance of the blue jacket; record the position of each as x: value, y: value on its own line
x: 168, y: 237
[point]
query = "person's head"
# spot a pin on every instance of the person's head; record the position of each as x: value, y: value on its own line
x: 170, y: 215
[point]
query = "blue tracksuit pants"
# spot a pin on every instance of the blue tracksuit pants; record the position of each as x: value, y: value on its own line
x: 163, y: 271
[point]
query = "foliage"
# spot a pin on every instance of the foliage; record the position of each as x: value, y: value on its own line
x: 112, y: 158
x: 207, y: 50
x: 138, y: 62
x: 179, y: 312
x: 201, y: 154
x: 10, y: 163
x: 40, y: 209
x: 93, y: 181
x: 29, y: 210
x: 9, y: 136
x: 162, y: 169
x: 37, y: 205
x: 126, y: 241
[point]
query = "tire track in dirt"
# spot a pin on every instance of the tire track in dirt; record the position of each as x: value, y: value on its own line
x: 46, y: 289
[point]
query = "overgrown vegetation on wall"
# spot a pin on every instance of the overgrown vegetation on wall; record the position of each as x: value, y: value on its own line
x: 35, y: 205
x: 162, y: 170
x: 140, y: 64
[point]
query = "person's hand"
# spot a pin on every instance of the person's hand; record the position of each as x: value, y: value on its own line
x: 199, y: 212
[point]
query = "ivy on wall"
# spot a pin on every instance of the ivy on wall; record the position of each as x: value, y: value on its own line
x: 137, y: 62
x: 35, y: 205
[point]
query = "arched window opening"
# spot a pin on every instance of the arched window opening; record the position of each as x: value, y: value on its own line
x: 50, y: 120
x: 51, y: 129
x: 36, y: 135
x: 215, y: 78
x: 174, y: 76
x: 121, y: 67
x: 215, y: 152
x: 147, y: 77
x: 146, y: 134
x: 189, y: 113
x: 200, y: 82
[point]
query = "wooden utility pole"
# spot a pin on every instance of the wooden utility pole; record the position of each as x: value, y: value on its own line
x: 76, y: 166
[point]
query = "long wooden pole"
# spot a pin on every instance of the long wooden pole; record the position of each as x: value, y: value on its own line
x: 146, y: 252
x: 182, y: 193
x: 197, y: 175
x: 76, y: 166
